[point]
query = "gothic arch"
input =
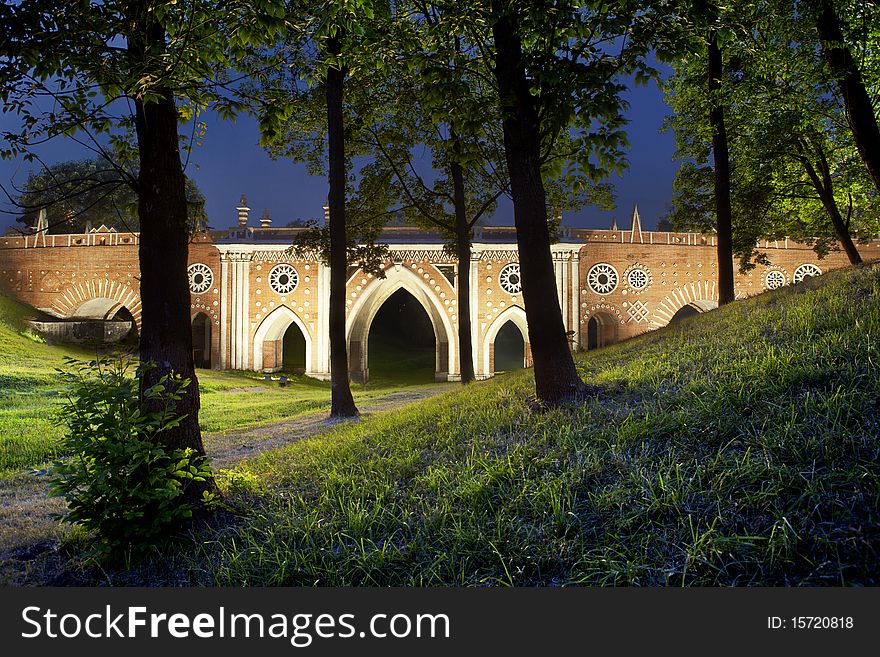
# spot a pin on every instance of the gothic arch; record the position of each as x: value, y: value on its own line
x: 702, y: 295
x: 363, y: 311
x: 269, y: 336
x: 98, y: 299
x: 513, y: 314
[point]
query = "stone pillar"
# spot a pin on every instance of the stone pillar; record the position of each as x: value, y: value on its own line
x: 224, y: 311
x: 320, y: 365
x: 357, y: 361
x: 239, y: 311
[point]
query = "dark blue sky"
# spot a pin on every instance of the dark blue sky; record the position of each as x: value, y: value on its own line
x: 231, y: 163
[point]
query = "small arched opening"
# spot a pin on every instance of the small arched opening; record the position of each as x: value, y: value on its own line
x: 103, y: 319
x: 123, y: 314
x: 281, y: 342
x: 692, y: 309
x: 201, y: 340
x: 401, y: 345
x: 509, y: 349
x: 687, y: 310
x: 601, y: 331
x: 293, y: 350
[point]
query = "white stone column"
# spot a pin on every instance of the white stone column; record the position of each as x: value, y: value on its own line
x: 240, y: 311
x: 477, y: 328
x: 224, y: 311
x: 244, y: 280
x: 321, y: 346
x: 575, y: 296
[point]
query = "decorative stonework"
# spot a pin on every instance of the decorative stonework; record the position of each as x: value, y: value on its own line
x: 284, y: 256
x: 638, y: 311
x: 605, y: 308
x: 700, y: 294
x: 603, y: 278
x: 638, y: 278
x: 775, y: 278
x: 283, y: 278
x: 502, y: 255
x: 804, y: 271
x: 426, y: 255
x: 201, y: 278
x: 509, y: 279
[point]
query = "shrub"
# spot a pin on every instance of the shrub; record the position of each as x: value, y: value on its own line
x: 118, y: 479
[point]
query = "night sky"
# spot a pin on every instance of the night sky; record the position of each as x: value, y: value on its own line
x: 231, y: 163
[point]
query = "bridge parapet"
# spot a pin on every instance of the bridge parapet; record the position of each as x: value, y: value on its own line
x: 42, y: 240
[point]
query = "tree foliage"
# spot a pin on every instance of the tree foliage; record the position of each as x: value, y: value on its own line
x: 82, y: 193
x: 794, y: 167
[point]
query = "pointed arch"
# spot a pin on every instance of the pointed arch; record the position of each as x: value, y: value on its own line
x: 363, y: 311
x: 517, y: 316
x: 268, y: 340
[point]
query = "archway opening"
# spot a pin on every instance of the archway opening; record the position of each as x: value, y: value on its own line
x: 293, y: 350
x: 101, y: 320
x: 509, y: 349
x: 401, y: 345
x: 601, y: 331
x: 201, y: 340
x: 687, y: 310
x: 124, y: 315
x: 282, y: 342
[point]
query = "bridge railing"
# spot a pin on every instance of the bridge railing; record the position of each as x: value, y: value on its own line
x: 42, y: 240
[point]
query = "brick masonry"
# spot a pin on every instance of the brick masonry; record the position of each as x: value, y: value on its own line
x: 611, y: 285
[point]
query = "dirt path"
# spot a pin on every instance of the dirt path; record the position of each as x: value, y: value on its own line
x: 30, y: 534
x: 229, y: 448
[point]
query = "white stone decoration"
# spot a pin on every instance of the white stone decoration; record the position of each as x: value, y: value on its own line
x: 510, y: 279
x: 200, y: 278
x: 638, y: 311
x: 638, y: 278
x: 804, y: 271
x: 283, y: 278
x: 603, y: 278
x: 774, y: 279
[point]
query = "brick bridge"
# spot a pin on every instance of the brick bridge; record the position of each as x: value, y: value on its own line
x: 248, y: 292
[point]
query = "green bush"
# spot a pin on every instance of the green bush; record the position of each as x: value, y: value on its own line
x: 117, y: 478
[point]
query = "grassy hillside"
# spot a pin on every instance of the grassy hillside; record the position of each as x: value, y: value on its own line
x: 28, y: 389
x: 30, y: 386
x: 739, y: 448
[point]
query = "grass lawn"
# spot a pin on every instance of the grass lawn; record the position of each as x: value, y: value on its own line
x: 741, y: 447
x: 738, y: 448
x: 30, y: 385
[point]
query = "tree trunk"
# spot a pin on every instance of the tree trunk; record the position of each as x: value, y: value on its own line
x: 841, y: 229
x: 824, y: 186
x: 341, y: 400
x: 166, y: 335
x: 555, y: 376
x: 846, y: 72
x: 463, y: 246
x: 724, y: 226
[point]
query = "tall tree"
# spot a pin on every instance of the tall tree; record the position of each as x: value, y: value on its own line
x: 309, y: 106
x: 703, y: 36
x: 845, y: 69
x: 120, y: 76
x: 721, y: 169
x: 556, y: 74
x: 442, y: 102
x: 435, y: 101
x: 791, y: 152
x: 342, y: 401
